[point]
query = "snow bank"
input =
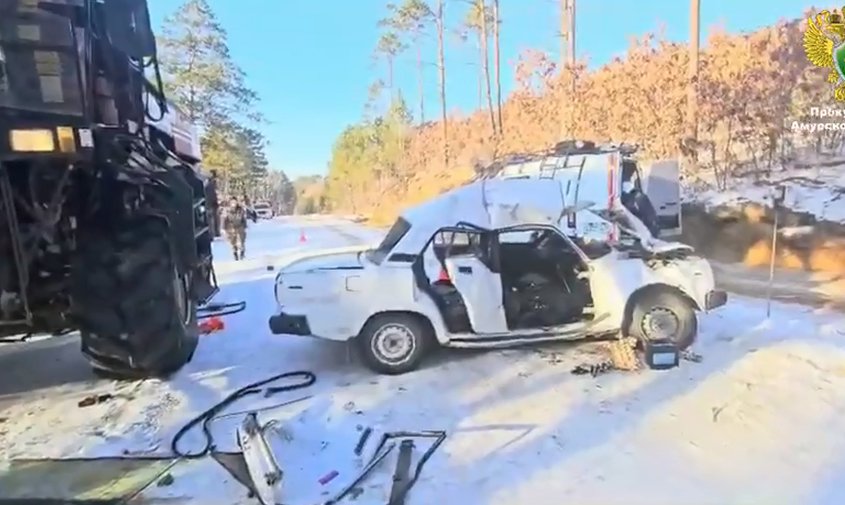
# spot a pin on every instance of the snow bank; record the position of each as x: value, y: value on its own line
x: 816, y: 190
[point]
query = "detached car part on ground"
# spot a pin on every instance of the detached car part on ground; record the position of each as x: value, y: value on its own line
x: 497, y: 263
x: 103, y: 226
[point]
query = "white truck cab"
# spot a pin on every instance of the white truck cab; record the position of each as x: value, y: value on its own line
x: 604, y: 174
x: 494, y: 263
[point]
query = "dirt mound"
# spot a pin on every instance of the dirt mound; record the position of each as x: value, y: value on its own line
x: 743, y: 234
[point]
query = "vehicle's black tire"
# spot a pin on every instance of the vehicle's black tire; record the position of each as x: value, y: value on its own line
x: 416, y: 335
x: 135, y: 311
x: 664, y: 302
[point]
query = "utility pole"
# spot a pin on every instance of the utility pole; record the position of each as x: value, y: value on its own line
x: 692, y: 86
x: 567, y: 58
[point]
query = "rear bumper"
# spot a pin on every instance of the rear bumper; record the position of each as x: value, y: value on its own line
x: 715, y: 299
x: 289, y: 324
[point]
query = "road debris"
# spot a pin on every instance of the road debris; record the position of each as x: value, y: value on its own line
x: 264, y: 470
x: 399, y: 494
x: 365, y: 435
x: 220, y: 309
x: 377, y: 458
x: 401, y: 475
x: 325, y: 479
x: 91, y: 400
x: 625, y: 356
x: 165, y: 480
x: 211, y: 325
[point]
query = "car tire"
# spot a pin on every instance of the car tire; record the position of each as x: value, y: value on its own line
x: 409, y: 333
x: 662, y: 313
x: 134, y: 309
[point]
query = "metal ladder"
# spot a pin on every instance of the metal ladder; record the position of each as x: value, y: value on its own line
x: 548, y: 169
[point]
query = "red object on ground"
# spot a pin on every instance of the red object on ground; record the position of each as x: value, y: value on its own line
x: 325, y: 479
x: 443, y: 276
x: 302, y: 235
x: 211, y: 325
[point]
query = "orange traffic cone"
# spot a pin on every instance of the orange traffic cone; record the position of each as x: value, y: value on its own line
x: 302, y: 235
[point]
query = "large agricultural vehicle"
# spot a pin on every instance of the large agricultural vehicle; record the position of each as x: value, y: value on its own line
x: 103, y: 226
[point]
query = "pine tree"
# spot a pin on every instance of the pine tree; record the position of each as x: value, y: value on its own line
x: 204, y: 81
x: 200, y: 74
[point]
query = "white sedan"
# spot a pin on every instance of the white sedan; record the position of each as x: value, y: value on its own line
x: 497, y: 263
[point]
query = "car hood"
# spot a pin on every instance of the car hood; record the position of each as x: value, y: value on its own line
x: 657, y: 246
x: 648, y: 241
x: 339, y: 258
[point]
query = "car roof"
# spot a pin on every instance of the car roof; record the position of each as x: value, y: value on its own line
x: 489, y: 204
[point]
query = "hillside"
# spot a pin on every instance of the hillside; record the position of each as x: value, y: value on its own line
x: 751, y: 88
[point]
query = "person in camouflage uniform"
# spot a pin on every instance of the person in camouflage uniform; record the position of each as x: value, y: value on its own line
x: 234, y: 221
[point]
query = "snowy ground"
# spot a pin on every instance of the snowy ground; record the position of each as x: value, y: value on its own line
x: 759, y: 420
x: 817, y: 190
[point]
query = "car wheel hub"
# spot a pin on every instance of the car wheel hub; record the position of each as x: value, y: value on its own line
x: 394, y: 344
x: 660, y: 323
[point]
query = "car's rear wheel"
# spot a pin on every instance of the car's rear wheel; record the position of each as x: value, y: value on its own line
x: 661, y: 314
x: 395, y: 343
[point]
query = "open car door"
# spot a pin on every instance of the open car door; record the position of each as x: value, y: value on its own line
x: 481, y: 290
x: 662, y: 184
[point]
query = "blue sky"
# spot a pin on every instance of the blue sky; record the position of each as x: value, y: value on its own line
x: 310, y: 61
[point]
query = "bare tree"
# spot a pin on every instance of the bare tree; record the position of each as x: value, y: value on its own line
x: 374, y: 92
x: 389, y: 46
x: 692, y: 89
x: 497, y: 64
x: 411, y: 19
x: 478, y: 19
x: 567, y: 60
x: 440, y: 24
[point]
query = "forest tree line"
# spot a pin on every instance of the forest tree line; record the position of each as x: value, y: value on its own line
x: 203, y: 79
x: 749, y: 88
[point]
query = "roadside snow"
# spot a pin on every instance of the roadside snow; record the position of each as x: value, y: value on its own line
x: 757, y: 421
x: 816, y: 191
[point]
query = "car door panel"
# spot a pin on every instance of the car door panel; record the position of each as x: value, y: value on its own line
x: 662, y: 184
x: 481, y: 291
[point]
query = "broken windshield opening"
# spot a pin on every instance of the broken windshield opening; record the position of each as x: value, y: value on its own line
x: 39, y: 67
x: 398, y: 231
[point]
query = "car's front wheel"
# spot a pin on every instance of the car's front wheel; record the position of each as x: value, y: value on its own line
x: 661, y: 314
x: 395, y: 343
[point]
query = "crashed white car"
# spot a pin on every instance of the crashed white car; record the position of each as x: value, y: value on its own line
x: 497, y: 263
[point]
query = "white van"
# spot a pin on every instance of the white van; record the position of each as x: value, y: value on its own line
x: 263, y: 210
x: 604, y: 175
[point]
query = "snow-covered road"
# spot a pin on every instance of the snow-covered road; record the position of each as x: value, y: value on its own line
x: 759, y: 420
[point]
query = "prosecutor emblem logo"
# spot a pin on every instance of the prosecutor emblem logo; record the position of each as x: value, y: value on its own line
x: 824, y: 45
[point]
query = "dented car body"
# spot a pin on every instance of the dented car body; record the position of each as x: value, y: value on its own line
x: 497, y: 263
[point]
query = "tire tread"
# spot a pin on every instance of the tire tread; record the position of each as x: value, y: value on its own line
x: 124, y: 301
